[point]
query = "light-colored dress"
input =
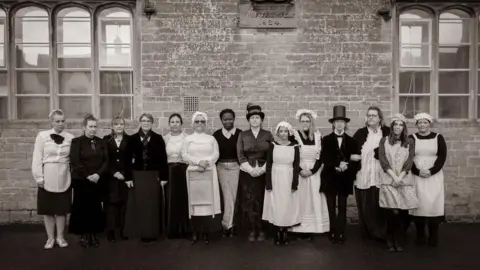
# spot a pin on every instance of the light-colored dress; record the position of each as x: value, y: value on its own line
x: 313, y: 204
x: 282, y: 206
x: 430, y: 191
x: 370, y: 173
x: 174, y: 147
x: 198, y: 147
x: 397, y: 158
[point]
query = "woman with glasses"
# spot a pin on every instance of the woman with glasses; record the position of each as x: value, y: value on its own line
x: 313, y: 204
x: 51, y: 171
x: 201, y: 152
x: 89, y: 164
x: 367, y: 184
x: 146, y: 149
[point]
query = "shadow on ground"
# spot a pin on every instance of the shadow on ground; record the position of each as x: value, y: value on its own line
x: 21, y: 247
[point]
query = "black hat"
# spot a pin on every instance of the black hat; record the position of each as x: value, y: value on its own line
x: 339, y: 113
x: 253, y: 109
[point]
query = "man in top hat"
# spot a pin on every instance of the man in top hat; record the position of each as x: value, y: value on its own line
x: 337, y: 174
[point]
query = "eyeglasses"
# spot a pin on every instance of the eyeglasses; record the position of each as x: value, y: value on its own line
x: 146, y: 121
x: 200, y: 121
x: 305, y: 121
x: 372, y: 115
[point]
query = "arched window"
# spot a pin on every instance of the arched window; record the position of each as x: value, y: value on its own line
x: 115, y: 63
x: 32, y: 62
x: 3, y: 67
x: 415, y: 61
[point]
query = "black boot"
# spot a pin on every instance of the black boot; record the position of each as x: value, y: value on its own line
x: 420, y: 226
x: 285, y: 237
x: 194, y: 237
x: 111, y: 236
x: 332, y: 238
x: 94, y: 241
x: 433, y: 234
x: 206, y: 238
x: 278, y: 236
x: 390, y: 243
x: 398, y: 240
x: 85, y: 240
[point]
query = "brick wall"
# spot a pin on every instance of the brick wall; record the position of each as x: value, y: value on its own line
x: 341, y: 53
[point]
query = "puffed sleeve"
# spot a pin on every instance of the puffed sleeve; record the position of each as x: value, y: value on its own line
x: 79, y: 171
x: 216, y: 153
x: 269, y: 163
x: 296, y: 168
x: 37, y: 160
x: 186, y: 156
x: 407, y: 166
x: 383, y: 156
x: 441, y: 155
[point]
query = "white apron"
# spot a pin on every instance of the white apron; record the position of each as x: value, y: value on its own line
x: 430, y: 191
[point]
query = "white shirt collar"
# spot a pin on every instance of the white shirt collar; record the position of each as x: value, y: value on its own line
x: 229, y: 133
x: 343, y: 132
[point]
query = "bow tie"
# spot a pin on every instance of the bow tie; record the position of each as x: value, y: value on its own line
x: 57, y: 138
x: 338, y: 136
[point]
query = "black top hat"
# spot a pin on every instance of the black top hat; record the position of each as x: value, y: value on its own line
x: 253, y: 109
x: 339, y: 113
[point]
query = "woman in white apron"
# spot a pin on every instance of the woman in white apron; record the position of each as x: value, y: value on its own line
x: 430, y: 156
x: 313, y: 204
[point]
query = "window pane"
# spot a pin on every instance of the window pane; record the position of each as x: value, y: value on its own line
x: 71, y: 56
x: 414, y: 14
x: 3, y: 108
x: 73, y: 26
x: 116, y: 32
x: 115, y: 13
x: 3, y: 84
x: 2, y: 30
x: 453, y: 107
x: 2, y: 55
x: 415, y: 32
x: 32, y: 56
x: 454, y: 82
x: 413, y: 105
x: 2, y: 13
x: 33, y: 82
x: 454, y: 31
x: 33, y: 107
x: 76, y: 107
x: 111, y: 106
x: 75, y: 82
x: 31, y: 25
x: 415, y: 55
x: 115, y: 82
x: 115, y: 56
x: 414, y: 82
x: 454, y: 57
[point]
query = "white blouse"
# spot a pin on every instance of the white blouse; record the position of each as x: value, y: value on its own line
x: 200, y: 146
x: 369, y: 175
x: 174, y: 147
x: 51, y: 161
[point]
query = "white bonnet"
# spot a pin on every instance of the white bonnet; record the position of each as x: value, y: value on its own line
x: 284, y: 124
x: 202, y: 114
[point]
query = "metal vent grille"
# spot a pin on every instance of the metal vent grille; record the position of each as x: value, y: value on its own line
x: 190, y: 104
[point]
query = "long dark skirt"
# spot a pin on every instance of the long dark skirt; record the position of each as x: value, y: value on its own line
x: 372, y: 217
x: 87, y: 214
x: 178, y: 224
x: 251, y: 191
x: 53, y: 203
x: 115, y: 204
x: 144, y: 217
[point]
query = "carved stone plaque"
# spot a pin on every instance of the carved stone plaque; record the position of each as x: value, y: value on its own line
x: 267, y: 14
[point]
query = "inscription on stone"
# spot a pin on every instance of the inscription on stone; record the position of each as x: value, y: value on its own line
x: 267, y: 14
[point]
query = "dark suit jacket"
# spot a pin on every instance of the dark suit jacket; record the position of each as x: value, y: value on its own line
x: 156, y: 152
x: 334, y: 182
x: 251, y: 149
x: 119, y: 162
x: 85, y: 161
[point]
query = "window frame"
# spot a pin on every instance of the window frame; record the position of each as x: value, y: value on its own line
x: 6, y: 67
x: 473, y: 70
x: 94, y: 8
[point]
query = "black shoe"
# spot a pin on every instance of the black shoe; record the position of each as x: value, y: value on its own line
x: 340, y: 239
x: 94, y: 241
x: 85, y: 240
x: 251, y: 237
x: 309, y: 237
x: 111, y: 236
x: 206, y: 238
x: 261, y: 236
x: 227, y: 232
x: 332, y: 238
x: 194, y: 238
x: 390, y: 245
x: 277, y: 239
x: 285, y: 238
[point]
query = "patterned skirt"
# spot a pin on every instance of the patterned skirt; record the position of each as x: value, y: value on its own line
x: 402, y: 197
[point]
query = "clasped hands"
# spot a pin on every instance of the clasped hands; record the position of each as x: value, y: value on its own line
x: 342, y: 167
x: 425, y: 173
x: 93, y: 178
x: 305, y: 173
x: 256, y: 172
x: 397, y: 179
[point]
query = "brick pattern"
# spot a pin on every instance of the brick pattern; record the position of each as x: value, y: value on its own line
x: 341, y: 53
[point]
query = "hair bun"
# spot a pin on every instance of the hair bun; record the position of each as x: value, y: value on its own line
x: 88, y: 115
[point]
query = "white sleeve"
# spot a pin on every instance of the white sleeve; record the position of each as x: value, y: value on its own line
x: 37, y: 160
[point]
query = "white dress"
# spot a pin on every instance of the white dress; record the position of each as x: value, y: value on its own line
x: 313, y: 204
x: 198, y: 147
x: 430, y: 191
x: 281, y: 206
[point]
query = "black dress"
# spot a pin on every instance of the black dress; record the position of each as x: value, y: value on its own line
x: 88, y: 156
x: 144, y: 217
x: 116, y: 191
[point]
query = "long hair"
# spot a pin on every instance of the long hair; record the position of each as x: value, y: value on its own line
x: 380, y: 114
x: 403, y: 136
x: 311, y: 131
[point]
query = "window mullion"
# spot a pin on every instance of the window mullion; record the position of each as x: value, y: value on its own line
x: 95, y: 67
x: 53, y: 63
x: 434, y: 30
x: 473, y: 67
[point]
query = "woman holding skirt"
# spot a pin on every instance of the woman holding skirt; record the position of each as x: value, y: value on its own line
x: 397, y: 190
x: 200, y: 150
x: 281, y: 204
x: 89, y: 164
x: 430, y: 156
x: 149, y: 175
x: 228, y: 167
x: 313, y: 204
x: 51, y: 172
x: 178, y: 222
x: 252, y: 147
